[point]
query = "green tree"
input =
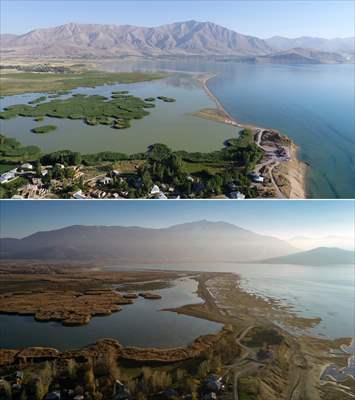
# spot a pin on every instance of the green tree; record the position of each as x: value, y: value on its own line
x: 76, y: 158
x: 158, y: 152
x: 38, y: 168
x: 147, y: 180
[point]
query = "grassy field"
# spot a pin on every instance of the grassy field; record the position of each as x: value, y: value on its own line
x: 6, y: 167
x: 29, y: 82
x: 128, y: 166
x: 193, y: 168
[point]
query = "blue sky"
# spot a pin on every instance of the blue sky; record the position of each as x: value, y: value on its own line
x: 263, y: 18
x: 277, y: 218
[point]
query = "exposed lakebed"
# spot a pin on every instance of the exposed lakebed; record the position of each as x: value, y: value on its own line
x: 325, y: 292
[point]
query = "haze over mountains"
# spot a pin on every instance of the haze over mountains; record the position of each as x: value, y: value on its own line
x: 189, y: 38
x: 308, y: 243
x: 340, y: 45
x: 193, y: 242
x: 317, y: 257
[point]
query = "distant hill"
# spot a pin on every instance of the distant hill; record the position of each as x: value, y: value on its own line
x: 308, y: 243
x: 318, y: 257
x: 201, y: 241
x: 187, y: 38
x: 338, y: 45
x: 302, y: 56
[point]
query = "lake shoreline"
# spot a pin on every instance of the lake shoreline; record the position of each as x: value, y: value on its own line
x: 295, y: 171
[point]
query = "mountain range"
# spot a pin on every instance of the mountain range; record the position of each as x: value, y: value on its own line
x: 188, y: 38
x: 200, y: 241
x: 339, y: 45
x: 318, y: 257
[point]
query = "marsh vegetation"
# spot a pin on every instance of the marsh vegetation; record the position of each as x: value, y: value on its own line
x: 34, y: 82
x: 116, y: 111
x: 44, y: 129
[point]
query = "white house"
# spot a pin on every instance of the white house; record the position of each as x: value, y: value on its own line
x: 256, y: 177
x: 106, y: 180
x: 79, y: 195
x: 237, y: 195
x: 155, y: 189
x: 26, y: 166
x: 7, y: 177
x: 160, y: 196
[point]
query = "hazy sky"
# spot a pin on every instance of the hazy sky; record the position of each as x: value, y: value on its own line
x: 282, y: 219
x: 263, y: 18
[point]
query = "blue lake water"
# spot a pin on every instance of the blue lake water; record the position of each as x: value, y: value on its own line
x: 313, y: 104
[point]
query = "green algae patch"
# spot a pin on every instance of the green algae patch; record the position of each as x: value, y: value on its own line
x: 44, y: 129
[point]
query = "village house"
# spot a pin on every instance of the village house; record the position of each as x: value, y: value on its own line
x: 79, y: 195
x: 155, y: 190
x: 27, y: 166
x: 61, y: 166
x: 256, y: 177
x: 237, y: 195
x: 160, y: 196
x: 106, y: 180
x: 7, y: 177
x: 214, y: 383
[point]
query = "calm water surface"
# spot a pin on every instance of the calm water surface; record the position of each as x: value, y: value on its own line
x: 140, y: 324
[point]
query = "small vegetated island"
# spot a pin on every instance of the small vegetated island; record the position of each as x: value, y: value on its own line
x: 116, y: 111
x: 44, y: 129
